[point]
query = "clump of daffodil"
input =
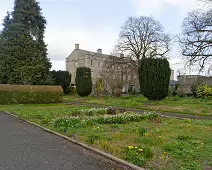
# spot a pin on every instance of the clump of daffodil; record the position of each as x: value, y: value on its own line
x: 141, y: 150
x: 130, y: 147
x: 95, y: 127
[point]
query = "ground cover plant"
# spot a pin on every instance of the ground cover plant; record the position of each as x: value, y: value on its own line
x: 184, y: 105
x: 152, y: 142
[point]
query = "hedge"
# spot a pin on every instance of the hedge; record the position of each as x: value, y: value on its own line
x: 25, y: 94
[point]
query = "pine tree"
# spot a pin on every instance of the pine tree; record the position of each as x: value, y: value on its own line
x: 22, y: 43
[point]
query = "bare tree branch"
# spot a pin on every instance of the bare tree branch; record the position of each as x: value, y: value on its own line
x: 196, y: 39
x: 143, y: 37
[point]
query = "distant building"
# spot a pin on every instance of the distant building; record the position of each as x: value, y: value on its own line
x: 95, y: 61
x: 186, y: 81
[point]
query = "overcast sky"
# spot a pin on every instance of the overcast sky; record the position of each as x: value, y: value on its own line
x: 96, y: 23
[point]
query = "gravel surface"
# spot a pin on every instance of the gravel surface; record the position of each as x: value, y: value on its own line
x: 26, y: 147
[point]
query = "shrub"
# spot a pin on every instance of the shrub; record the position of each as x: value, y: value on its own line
x: 73, y: 90
x: 154, y: 75
x: 21, y: 94
x: 204, y: 92
x: 99, y: 87
x: 83, y: 81
x: 62, y: 78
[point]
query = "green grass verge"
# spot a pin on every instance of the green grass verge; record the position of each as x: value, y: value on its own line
x: 162, y: 143
x: 184, y: 105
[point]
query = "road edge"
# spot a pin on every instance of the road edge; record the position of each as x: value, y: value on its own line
x: 104, y: 154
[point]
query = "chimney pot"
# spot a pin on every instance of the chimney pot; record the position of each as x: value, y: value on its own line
x: 76, y: 46
x: 99, y: 51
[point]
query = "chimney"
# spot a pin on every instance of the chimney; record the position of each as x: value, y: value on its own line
x: 121, y: 55
x: 99, y: 51
x: 76, y: 46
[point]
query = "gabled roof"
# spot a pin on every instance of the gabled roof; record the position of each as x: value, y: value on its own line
x: 90, y: 53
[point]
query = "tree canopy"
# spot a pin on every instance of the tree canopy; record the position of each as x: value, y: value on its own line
x: 23, y: 51
x: 143, y: 37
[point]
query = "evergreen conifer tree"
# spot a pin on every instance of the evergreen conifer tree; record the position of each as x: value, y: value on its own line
x: 23, y: 51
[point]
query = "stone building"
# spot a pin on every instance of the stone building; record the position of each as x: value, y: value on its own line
x: 96, y: 62
x: 187, y: 81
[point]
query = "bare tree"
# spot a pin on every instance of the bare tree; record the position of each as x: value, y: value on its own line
x: 117, y: 72
x: 143, y: 37
x: 196, y: 39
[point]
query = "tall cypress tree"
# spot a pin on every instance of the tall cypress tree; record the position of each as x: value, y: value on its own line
x: 22, y: 43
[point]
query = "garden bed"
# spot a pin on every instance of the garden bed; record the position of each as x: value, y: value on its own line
x: 183, y: 105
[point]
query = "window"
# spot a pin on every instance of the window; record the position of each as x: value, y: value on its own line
x: 100, y: 64
x: 91, y: 62
x: 124, y: 77
x: 76, y: 64
x: 129, y: 77
x: 99, y: 74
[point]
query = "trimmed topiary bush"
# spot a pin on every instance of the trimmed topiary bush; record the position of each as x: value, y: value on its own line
x: 154, y: 75
x: 83, y: 81
x: 24, y: 94
x: 62, y: 78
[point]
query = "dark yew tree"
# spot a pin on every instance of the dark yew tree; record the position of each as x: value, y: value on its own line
x: 154, y: 78
x: 23, y: 51
x: 62, y: 78
x: 83, y: 81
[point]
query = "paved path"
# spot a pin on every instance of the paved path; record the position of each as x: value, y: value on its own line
x: 165, y: 114
x: 26, y: 147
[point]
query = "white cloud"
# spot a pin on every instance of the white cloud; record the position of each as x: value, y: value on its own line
x: 155, y: 7
x: 61, y: 42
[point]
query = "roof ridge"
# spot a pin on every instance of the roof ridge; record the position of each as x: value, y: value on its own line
x: 93, y: 53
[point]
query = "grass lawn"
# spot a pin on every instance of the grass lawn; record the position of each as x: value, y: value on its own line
x: 154, y: 143
x: 186, y: 105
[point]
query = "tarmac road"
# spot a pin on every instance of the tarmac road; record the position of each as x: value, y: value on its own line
x: 26, y: 147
